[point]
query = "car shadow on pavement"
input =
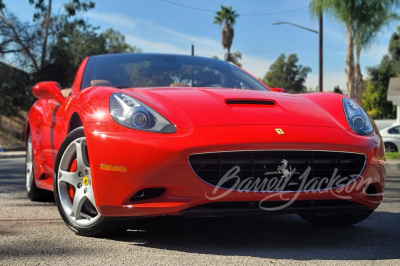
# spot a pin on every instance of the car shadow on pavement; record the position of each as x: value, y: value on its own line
x: 280, y: 237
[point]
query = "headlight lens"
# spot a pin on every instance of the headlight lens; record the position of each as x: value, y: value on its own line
x: 356, y: 117
x: 129, y: 112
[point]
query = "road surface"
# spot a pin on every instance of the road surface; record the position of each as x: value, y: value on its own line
x: 32, y: 233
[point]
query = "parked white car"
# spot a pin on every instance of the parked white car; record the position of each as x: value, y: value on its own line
x: 391, y: 138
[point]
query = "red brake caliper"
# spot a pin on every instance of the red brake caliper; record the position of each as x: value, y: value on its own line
x: 71, y: 187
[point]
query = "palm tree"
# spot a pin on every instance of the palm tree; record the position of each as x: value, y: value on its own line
x: 375, y: 15
x: 362, y: 20
x: 226, y: 16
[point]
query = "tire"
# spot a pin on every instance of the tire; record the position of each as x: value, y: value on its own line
x: 32, y: 191
x: 336, y: 220
x: 390, y: 147
x: 72, y: 172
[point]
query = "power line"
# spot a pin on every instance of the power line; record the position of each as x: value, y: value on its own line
x: 294, y: 49
x: 242, y: 14
x: 275, y: 13
x: 191, y: 7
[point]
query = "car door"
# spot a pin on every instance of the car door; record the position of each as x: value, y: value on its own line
x: 52, y: 131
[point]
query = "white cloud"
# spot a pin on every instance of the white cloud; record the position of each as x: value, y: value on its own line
x: 331, y: 80
x: 171, y: 41
x: 375, y: 53
x: 113, y: 18
x: 255, y: 66
x: 154, y: 47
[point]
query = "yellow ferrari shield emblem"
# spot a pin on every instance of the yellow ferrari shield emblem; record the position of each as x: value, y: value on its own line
x: 279, y: 131
x: 85, y: 181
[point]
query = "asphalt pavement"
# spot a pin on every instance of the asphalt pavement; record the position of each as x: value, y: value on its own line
x: 32, y: 233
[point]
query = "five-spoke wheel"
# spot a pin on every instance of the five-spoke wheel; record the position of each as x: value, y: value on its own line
x: 73, y: 188
x: 75, y: 184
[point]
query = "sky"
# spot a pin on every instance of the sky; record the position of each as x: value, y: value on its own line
x: 165, y: 26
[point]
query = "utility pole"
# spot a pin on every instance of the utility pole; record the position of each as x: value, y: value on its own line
x: 320, y: 33
x: 321, y: 62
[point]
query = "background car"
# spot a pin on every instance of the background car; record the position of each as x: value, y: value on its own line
x: 391, y: 138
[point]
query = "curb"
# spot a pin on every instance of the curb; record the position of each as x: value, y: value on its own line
x: 6, y: 155
x: 393, y: 165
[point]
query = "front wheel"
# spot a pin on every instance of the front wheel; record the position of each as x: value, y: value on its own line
x: 336, y: 220
x: 73, y: 190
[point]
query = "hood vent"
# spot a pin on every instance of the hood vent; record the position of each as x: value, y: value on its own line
x: 249, y: 102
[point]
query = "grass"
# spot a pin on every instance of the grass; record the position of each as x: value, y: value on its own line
x: 392, y: 155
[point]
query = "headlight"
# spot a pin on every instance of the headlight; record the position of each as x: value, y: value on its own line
x: 356, y: 117
x: 129, y: 112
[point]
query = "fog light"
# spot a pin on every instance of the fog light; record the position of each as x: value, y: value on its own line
x: 371, y: 190
x: 148, y: 193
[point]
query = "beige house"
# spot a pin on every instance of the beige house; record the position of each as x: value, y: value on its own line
x: 393, y: 95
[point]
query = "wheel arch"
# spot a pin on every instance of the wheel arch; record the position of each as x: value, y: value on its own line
x: 74, y: 122
x: 389, y: 142
x: 27, y: 131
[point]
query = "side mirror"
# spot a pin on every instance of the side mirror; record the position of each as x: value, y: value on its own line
x: 48, y: 89
x: 278, y: 90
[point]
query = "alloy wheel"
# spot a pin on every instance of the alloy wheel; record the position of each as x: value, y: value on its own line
x: 389, y: 147
x: 75, y: 185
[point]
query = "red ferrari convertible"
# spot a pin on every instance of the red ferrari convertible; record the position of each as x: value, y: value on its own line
x: 142, y: 135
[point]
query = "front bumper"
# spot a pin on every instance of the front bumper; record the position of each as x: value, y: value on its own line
x: 156, y: 160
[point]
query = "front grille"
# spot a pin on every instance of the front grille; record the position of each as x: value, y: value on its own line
x: 258, y: 170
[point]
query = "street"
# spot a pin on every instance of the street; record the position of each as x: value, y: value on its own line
x: 33, y: 233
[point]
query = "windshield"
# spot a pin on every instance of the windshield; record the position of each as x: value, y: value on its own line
x: 154, y: 70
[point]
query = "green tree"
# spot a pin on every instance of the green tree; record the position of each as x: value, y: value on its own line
x: 394, y: 46
x: 336, y: 89
x: 13, y: 93
x: 29, y: 41
x: 287, y: 74
x: 81, y: 40
x: 19, y: 40
x: 115, y: 42
x: 376, y: 86
x: 235, y: 57
x: 43, y: 15
x: 53, y: 46
x: 228, y: 17
x: 362, y: 20
x: 73, y: 38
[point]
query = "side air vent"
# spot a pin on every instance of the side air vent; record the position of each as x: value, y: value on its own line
x: 240, y: 102
x: 148, y: 193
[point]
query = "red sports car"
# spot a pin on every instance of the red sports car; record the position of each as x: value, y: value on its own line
x: 142, y: 135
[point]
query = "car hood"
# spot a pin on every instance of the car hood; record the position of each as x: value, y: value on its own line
x: 188, y: 107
